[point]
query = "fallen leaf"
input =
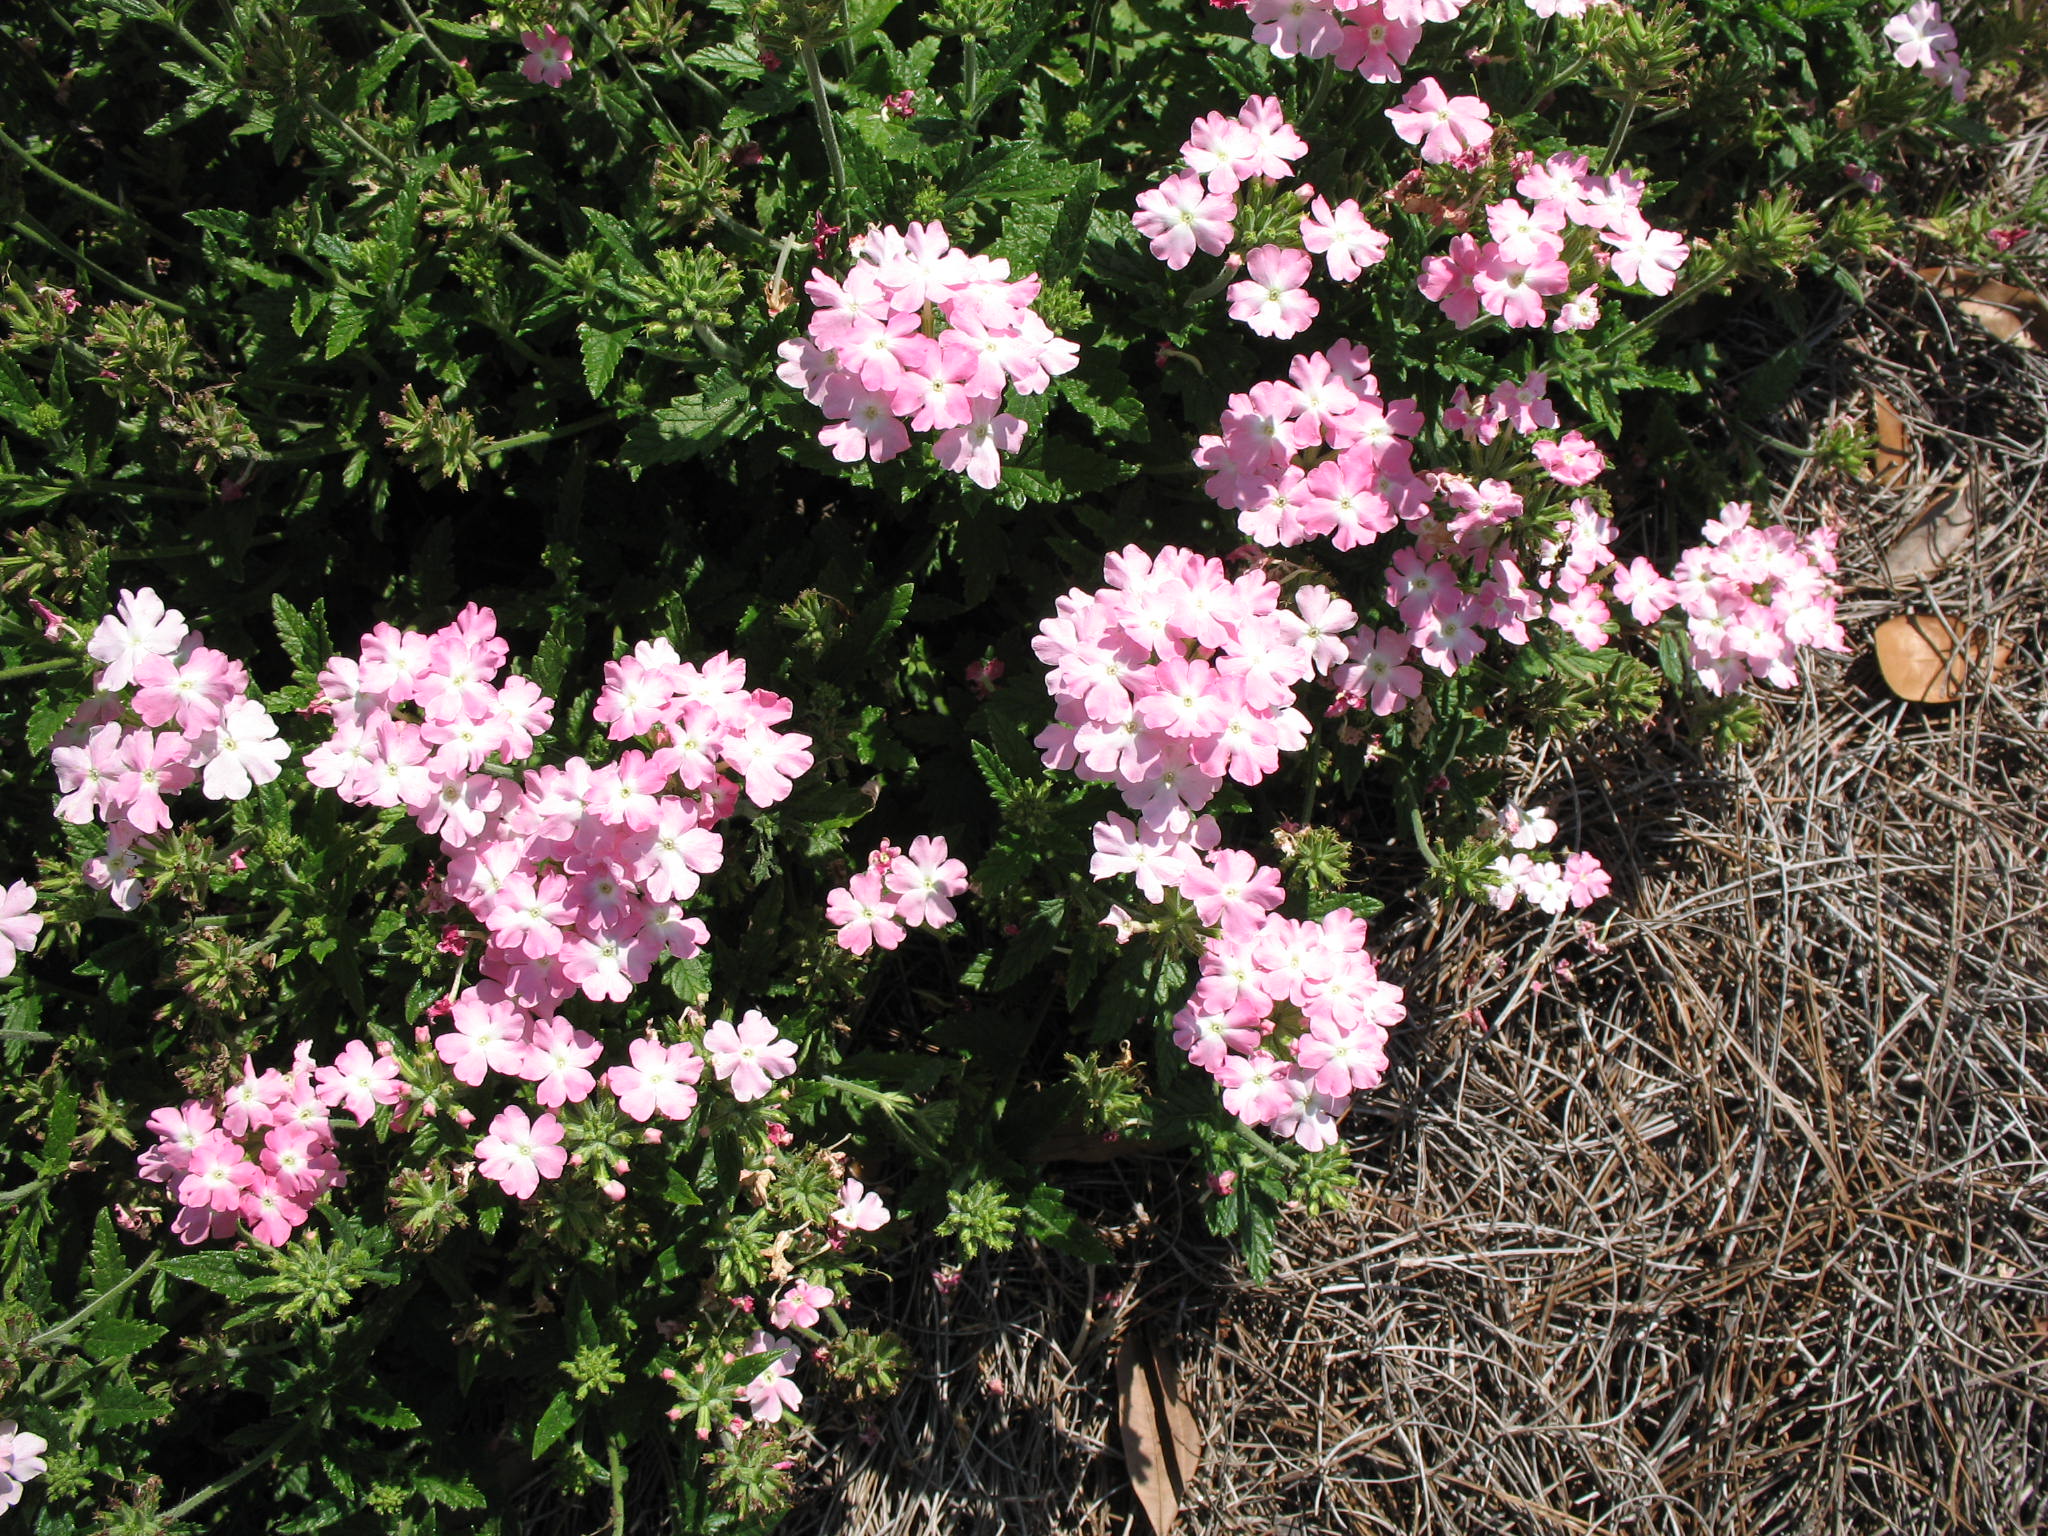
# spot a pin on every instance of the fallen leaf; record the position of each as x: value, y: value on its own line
x: 1933, y: 538
x: 1893, y: 460
x: 1924, y: 662
x: 2015, y: 315
x: 1162, y: 1442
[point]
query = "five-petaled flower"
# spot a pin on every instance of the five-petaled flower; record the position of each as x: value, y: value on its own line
x: 548, y: 57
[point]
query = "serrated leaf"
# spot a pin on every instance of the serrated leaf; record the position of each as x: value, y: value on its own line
x: 1003, y: 782
x: 57, y: 1138
x: 304, y: 637
x: 554, y: 1423
x: 220, y: 1272
x: 602, y: 351
x: 116, y: 1338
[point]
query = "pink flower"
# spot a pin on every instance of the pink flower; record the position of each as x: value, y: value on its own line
x: 1180, y: 217
x: 924, y: 880
x: 21, y: 1458
x: 1445, y: 126
x: 1341, y: 236
x: 661, y: 1081
x: 1271, y: 299
x: 139, y: 626
x: 1920, y: 36
x: 518, y: 1153
x: 18, y: 924
x: 798, y: 1306
x: 1644, y: 255
x: 975, y: 447
x: 548, y: 55
x: 1573, y: 459
x: 860, y: 1208
x: 749, y: 1057
x: 863, y: 915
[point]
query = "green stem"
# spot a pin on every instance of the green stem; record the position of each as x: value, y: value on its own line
x: 32, y: 668
x: 1677, y: 300
x: 675, y: 134
x: 29, y: 159
x: 454, y: 69
x: 617, y: 1468
x: 35, y: 231
x: 970, y: 74
x: 254, y: 1464
x: 528, y: 439
x: 826, y: 130
x: 1628, y: 113
x: 59, y: 1330
x: 1421, y: 835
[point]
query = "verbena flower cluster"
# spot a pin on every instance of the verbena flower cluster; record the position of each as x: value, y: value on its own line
x: 576, y: 872
x: 263, y: 1152
x: 116, y: 763
x: 923, y: 337
x: 1922, y: 40
x: 1374, y: 37
x: 1195, y: 209
x: 899, y: 889
x: 1168, y: 680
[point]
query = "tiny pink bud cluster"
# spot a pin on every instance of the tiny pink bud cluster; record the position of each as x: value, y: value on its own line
x: 923, y: 337
x: 900, y: 889
x: 114, y: 762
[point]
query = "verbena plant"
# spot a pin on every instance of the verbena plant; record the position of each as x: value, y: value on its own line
x: 633, y: 470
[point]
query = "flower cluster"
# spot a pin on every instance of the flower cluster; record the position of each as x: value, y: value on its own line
x: 21, y: 1458
x: 898, y: 890
x: 1290, y: 1018
x: 1576, y: 880
x: 578, y: 872
x: 1524, y: 263
x: 116, y: 762
x: 923, y: 337
x: 1196, y: 209
x: 1169, y: 680
x: 19, y: 924
x: 1752, y: 598
x: 1922, y: 40
x: 1374, y: 37
x: 263, y: 1152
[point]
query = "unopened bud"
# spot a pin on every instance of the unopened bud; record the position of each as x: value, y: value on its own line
x: 613, y: 1189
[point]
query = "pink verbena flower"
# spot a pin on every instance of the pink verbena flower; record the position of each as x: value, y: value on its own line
x: 518, y: 1153
x: 749, y: 1057
x: 548, y: 56
x: 19, y: 925
x: 1445, y: 126
x: 1272, y: 300
x: 860, y: 1208
x: 1180, y: 216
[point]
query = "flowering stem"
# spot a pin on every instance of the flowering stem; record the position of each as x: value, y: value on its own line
x: 1214, y: 286
x: 826, y: 131
x: 36, y: 232
x: 1683, y: 297
x: 970, y: 74
x: 528, y: 439
x: 60, y: 1330
x: 675, y: 134
x: 616, y: 1467
x: 28, y: 158
x: 30, y: 668
x: 1628, y: 112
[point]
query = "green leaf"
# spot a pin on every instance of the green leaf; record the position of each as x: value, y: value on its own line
x: 221, y: 1272
x: 1048, y: 1219
x: 304, y: 637
x: 116, y: 1338
x: 1003, y: 781
x: 554, y: 1424
x: 602, y: 351
x: 57, y: 1139
x: 687, y: 427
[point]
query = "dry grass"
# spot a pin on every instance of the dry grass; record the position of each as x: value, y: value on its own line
x: 1731, y: 1219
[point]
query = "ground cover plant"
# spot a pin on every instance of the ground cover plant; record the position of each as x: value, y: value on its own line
x: 650, y: 649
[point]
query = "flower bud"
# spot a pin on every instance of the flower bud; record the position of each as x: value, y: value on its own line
x: 613, y: 1190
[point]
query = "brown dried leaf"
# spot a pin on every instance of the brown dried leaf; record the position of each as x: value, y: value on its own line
x: 2015, y: 315
x: 1935, y: 535
x: 1893, y: 460
x: 1924, y: 662
x: 1162, y: 1442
